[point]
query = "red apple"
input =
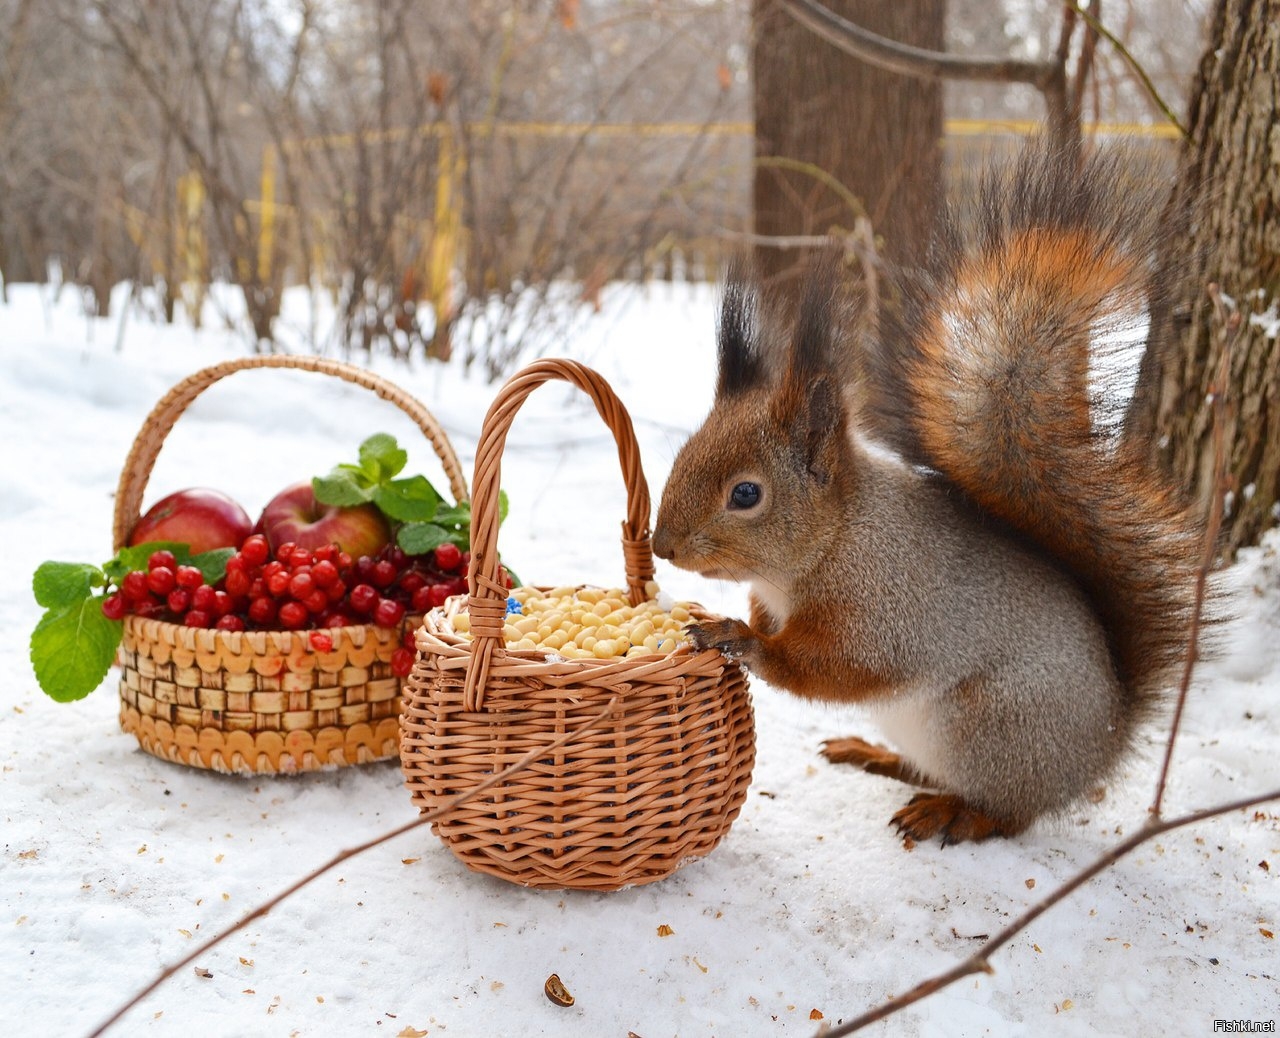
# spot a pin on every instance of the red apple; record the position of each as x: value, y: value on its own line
x: 202, y: 518
x: 295, y: 515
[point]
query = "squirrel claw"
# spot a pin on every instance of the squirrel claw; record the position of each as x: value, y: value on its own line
x: 947, y: 816
x: 871, y: 758
x: 731, y: 637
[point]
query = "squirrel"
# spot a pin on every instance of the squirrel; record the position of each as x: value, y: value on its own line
x: 1008, y: 586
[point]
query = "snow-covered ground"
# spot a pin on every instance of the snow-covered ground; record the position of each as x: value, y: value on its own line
x: 808, y: 913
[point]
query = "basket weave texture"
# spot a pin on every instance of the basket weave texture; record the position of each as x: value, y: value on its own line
x: 260, y: 702
x: 633, y: 766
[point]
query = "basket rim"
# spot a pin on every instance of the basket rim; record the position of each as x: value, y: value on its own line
x: 283, y: 638
x: 435, y: 634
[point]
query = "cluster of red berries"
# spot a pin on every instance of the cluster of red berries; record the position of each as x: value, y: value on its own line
x: 298, y: 589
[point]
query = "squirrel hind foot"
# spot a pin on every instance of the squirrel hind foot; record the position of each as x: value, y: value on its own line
x: 950, y: 818
x: 873, y: 759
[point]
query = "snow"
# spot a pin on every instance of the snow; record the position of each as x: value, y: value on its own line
x: 116, y: 864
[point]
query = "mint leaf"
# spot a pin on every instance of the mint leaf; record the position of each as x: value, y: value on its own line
x: 72, y: 648
x: 455, y: 515
x: 412, y: 500
x: 420, y: 538
x: 342, y: 488
x: 62, y: 584
x: 212, y: 563
x: 381, y: 457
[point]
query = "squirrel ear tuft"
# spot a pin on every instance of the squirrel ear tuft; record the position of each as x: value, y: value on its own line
x: 818, y: 320
x: 738, y: 342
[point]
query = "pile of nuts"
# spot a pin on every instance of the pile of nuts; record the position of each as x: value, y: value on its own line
x: 589, y: 623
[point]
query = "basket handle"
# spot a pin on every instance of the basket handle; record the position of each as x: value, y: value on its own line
x: 487, y: 602
x: 146, y: 447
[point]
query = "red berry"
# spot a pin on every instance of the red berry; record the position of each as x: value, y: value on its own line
x: 161, y: 559
x: 448, y: 557
x: 298, y: 558
x: 421, y: 600
x: 113, y: 606
x: 388, y: 613
x: 324, y: 573
x: 255, y: 550
x: 384, y: 572
x: 316, y: 601
x: 188, y: 577
x: 402, y: 661
x: 364, y: 597
x: 301, y: 583
x: 436, y: 594
x: 364, y: 568
x: 272, y: 568
x: 343, y: 561
x: 325, y: 553
x: 262, y: 611
x: 237, y: 582
x: 205, y: 599
x: 134, y: 586
x: 196, y: 618
x: 278, y: 583
x: 335, y: 620
x: 410, y: 582
x: 178, y: 600
x: 161, y: 580
x: 336, y: 591
x: 321, y: 641
x: 293, y: 615
x: 230, y: 622
x: 222, y: 603
x: 284, y: 551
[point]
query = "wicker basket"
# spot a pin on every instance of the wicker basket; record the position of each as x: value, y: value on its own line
x: 632, y: 767
x: 260, y: 701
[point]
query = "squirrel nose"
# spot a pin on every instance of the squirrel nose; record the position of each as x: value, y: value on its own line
x: 662, y: 544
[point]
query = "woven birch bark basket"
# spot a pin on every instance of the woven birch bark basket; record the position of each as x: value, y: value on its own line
x: 260, y: 702
x: 618, y: 771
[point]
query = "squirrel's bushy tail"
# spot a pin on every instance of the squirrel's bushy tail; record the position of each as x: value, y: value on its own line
x: 993, y: 377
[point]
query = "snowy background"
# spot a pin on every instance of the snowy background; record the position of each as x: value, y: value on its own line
x: 116, y: 864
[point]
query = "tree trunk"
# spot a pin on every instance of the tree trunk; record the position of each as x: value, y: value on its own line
x: 837, y: 138
x: 1228, y: 198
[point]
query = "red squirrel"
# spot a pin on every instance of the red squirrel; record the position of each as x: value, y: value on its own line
x: 1009, y: 587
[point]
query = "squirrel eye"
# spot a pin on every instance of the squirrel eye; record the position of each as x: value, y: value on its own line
x: 745, y: 495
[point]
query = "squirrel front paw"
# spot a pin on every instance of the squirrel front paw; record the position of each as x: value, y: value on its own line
x: 731, y: 637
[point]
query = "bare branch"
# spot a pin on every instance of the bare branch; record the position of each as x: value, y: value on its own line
x: 980, y: 962
x: 913, y: 61
x: 1231, y: 323
x: 424, y: 819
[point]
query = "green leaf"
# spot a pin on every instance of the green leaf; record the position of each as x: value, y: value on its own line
x: 342, y: 488
x: 407, y: 500
x: 135, y: 557
x: 420, y: 538
x: 504, y: 506
x: 381, y: 457
x: 213, y: 563
x: 62, y: 584
x: 72, y: 648
x: 455, y: 515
